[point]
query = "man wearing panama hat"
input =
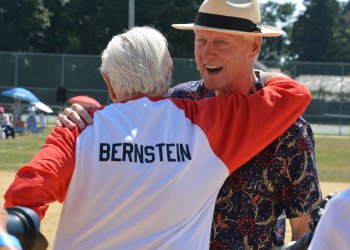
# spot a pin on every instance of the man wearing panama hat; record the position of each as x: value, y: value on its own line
x: 282, y: 177
x: 227, y: 41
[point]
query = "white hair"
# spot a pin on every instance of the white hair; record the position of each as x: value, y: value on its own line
x: 138, y: 62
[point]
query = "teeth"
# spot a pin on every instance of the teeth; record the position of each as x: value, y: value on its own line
x: 212, y: 66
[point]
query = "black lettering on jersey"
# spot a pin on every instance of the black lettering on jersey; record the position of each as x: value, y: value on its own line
x: 160, y: 149
x: 169, y: 152
x: 138, y: 153
x: 186, y: 153
x: 149, y: 152
x: 132, y: 152
x: 115, y: 152
x: 178, y: 152
x: 127, y: 151
x: 104, y: 151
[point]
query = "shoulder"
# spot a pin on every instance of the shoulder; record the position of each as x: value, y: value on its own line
x: 297, y: 143
x: 194, y: 90
x: 300, y: 128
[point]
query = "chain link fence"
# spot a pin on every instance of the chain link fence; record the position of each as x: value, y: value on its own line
x: 43, y: 74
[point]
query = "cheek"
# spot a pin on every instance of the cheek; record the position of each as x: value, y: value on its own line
x: 198, y: 60
x: 232, y: 61
x: 196, y: 52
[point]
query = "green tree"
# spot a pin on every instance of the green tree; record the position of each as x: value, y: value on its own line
x: 312, y: 33
x: 341, y: 36
x: 56, y: 34
x: 162, y: 14
x: 92, y: 24
x: 23, y: 24
x: 275, y: 14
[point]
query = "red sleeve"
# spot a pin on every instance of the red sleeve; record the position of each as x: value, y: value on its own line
x: 240, y: 126
x: 46, y: 177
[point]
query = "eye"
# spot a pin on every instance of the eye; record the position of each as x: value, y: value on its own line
x: 200, y: 41
x: 221, y: 42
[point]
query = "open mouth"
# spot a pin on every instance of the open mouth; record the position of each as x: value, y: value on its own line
x: 213, y: 68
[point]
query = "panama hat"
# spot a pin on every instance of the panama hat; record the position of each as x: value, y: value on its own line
x: 240, y: 17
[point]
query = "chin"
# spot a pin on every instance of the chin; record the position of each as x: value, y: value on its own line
x: 212, y: 85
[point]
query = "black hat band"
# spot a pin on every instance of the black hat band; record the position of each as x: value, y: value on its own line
x: 226, y: 22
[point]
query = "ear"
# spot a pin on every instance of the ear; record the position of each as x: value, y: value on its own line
x: 172, y: 71
x: 256, y: 45
x: 112, y: 94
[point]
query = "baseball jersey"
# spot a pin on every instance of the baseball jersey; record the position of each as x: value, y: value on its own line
x: 146, y: 174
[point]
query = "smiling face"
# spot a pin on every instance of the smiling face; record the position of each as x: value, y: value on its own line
x: 225, y: 61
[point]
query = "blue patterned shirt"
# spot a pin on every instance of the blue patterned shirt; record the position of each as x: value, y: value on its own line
x: 280, y: 181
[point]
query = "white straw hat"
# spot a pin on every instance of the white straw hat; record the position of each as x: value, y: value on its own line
x: 241, y: 17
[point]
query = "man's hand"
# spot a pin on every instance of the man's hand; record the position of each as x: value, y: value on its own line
x: 74, y: 115
x: 299, y: 226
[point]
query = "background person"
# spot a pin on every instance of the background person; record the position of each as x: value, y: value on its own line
x: 283, y: 176
x: 31, y: 119
x: 6, y: 124
x: 142, y: 160
x: 31, y: 110
x: 17, y: 110
x: 43, y: 120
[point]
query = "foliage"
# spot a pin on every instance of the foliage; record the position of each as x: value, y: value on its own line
x: 320, y: 33
x: 23, y: 24
x: 56, y: 34
x: 164, y: 15
x: 341, y: 36
x: 312, y: 33
x: 93, y: 25
x: 275, y: 14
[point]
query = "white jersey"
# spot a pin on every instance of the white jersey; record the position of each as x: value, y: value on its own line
x: 146, y: 174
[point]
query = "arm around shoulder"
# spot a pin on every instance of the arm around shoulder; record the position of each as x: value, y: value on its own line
x: 46, y: 177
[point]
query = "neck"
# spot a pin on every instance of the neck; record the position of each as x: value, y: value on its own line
x: 241, y: 85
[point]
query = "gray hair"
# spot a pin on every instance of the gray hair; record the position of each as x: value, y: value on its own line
x: 138, y: 62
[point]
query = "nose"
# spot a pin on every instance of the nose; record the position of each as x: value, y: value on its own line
x: 208, y: 50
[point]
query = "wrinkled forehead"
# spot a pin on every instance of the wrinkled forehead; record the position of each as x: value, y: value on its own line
x: 217, y: 35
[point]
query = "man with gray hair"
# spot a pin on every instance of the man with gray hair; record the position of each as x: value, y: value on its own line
x: 146, y: 174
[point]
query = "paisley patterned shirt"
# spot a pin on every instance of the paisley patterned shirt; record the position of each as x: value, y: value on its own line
x: 280, y: 181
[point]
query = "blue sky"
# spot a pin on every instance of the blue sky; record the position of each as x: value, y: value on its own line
x: 299, y: 3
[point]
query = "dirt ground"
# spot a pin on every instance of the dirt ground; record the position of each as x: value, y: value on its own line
x: 48, y: 225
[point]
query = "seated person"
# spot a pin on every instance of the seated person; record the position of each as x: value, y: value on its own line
x: 147, y: 173
x: 6, y: 124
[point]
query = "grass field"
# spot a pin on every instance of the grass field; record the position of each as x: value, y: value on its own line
x: 333, y: 158
x: 332, y: 154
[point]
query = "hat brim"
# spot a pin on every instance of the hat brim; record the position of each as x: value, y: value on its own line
x: 266, y: 30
